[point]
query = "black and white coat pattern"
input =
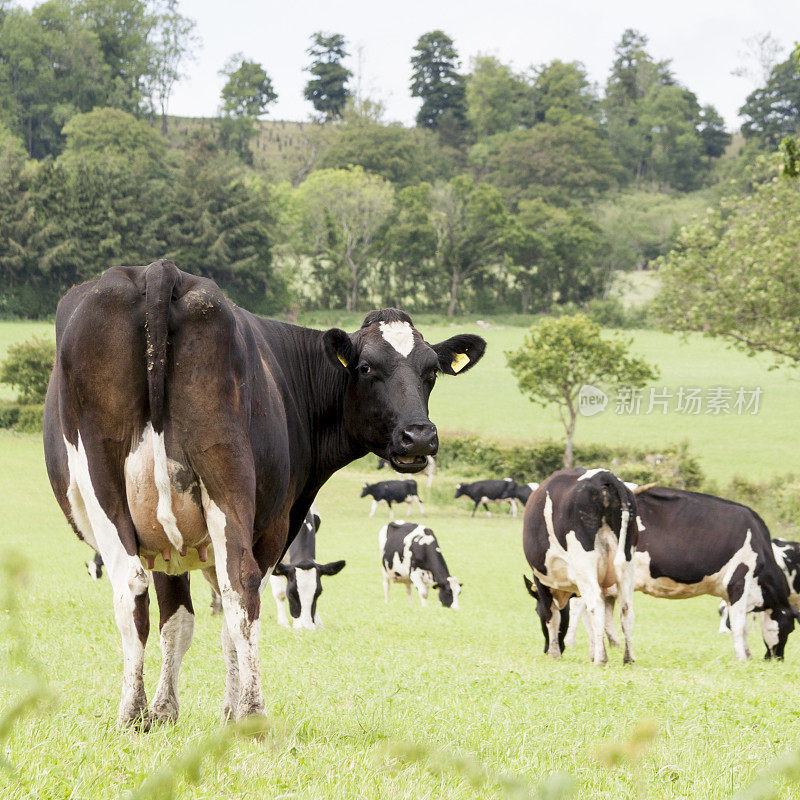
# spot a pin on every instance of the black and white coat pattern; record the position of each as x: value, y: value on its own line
x: 579, y: 536
x: 410, y: 554
x: 389, y: 492
x: 298, y: 577
x: 489, y: 491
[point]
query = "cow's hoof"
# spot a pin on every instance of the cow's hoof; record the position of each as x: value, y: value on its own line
x: 628, y: 659
x: 138, y: 720
x: 164, y: 712
x: 227, y: 715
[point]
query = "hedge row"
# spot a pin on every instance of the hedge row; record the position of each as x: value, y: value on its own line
x: 472, y: 455
x: 20, y: 417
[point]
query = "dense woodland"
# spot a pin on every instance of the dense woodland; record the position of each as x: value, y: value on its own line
x: 521, y: 191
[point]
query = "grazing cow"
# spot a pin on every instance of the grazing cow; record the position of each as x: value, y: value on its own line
x: 183, y: 432
x: 430, y: 469
x: 489, y: 491
x: 692, y: 544
x: 579, y: 535
x: 393, y: 492
x: 410, y: 554
x: 95, y: 567
x: 298, y: 577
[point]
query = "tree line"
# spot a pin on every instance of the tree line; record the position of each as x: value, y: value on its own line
x: 515, y: 190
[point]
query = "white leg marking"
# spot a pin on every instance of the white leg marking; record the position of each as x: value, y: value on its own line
x: 422, y: 585
x: 553, y: 624
x: 374, y: 506
x: 769, y: 630
x: 176, y: 636
x: 164, y: 510
x: 127, y: 576
x: 278, y: 585
x: 576, y: 609
x: 242, y: 632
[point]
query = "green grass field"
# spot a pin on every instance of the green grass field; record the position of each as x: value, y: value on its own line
x: 470, y: 684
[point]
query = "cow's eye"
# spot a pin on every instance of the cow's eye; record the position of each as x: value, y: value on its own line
x: 365, y: 369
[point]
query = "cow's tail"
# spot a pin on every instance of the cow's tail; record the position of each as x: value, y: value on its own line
x: 160, y: 278
x: 627, y: 508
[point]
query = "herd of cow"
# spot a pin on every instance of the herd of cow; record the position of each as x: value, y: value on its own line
x: 184, y: 433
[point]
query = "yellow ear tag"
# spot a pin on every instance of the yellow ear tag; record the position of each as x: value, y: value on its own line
x: 343, y: 362
x: 459, y: 362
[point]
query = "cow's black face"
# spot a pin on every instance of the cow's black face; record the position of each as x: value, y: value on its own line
x: 392, y: 372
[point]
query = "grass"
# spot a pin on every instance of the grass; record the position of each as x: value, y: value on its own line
x: 471, y: 684
x: 486, y: 400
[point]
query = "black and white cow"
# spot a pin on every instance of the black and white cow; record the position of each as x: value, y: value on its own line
x: 429, y: 471
x: 579, y: 536
x: 95, y: 567
x: 298, y: 577
x: 411, y: 555
x: 184, y: 433
x: 393, y: 492
x: 693, y: 544
x: 489, y: 491
x: 523, y: 491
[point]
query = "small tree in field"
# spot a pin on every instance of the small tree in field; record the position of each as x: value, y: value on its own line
x: 27, y: 368
x: 559, y: 356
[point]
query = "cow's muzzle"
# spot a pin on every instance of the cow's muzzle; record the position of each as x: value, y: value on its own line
x: 412, y: 446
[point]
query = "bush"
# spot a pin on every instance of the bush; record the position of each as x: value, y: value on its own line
x: 27, y: 367
x: 9, y: 414
x: 473, y: 456
x: 611, y: 313
x: 30, y: 419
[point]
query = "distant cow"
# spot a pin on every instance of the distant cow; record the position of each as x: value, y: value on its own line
x: 298, y: 577
x: 523, y: 491
x: 429, y: 471
x: 692, y: 544
x: 392, y: 492
x: 410, y: 554
x: 95, y: 567
x: 489, y: 491
x: 579, y: 535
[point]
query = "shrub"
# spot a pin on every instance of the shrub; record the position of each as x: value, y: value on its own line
x: 9, y: 414
x: 30, y: 419
x: 27, y: 368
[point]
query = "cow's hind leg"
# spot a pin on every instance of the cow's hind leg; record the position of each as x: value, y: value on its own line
x: 626, y: 577
x: 176, y: 631
x: 611, y: 633
x: 97, y: 497
x: 585, y: 566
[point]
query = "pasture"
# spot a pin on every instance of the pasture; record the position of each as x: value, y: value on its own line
x: 471, y: 684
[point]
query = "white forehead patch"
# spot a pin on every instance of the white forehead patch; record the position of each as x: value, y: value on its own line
x: 399, y: 335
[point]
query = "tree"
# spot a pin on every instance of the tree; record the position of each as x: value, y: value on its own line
x: 220, y: 223
x: 111, y: 135
x: 773, y: 111
x: 561, y: 355
x: 495, y: 97
x: 436, y: 81
x: 561, y: 88
x: 175, y: 39
x: 342, y: 214
x: 734, y: 273
x: 561, y: 163
x: 327, y: 90
x: 712, y: 131
x: 244, y: 98
x: 470, y: 223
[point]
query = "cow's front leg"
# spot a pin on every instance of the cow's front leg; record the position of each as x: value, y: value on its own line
x: 278, y: 585
x: 576, y: 609
x: 374, y: 508
x: 176, y: 627
x: 738, y: 596
x: 422, y: 586
x: 230, y: 526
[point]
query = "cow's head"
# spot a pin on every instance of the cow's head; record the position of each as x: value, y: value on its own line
x: 449, y: 592
x: 392, y: 370
x: 364, y: 490
x: 776, y: 625
x: 303, y: 588
x: 459, y: 490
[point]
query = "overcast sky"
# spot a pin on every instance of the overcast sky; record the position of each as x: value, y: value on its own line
x: 704, y: 39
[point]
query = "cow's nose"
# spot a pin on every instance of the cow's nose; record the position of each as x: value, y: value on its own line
x: 420, y: 440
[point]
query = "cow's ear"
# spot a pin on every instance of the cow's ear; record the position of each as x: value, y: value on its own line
x: 332, y: 568
x: 317, y: 522
x: 529, y: 586
x: 436, y: 586
x: 283, y: 570
x: 459, y: 353
x: 340, y: 349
